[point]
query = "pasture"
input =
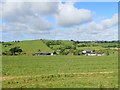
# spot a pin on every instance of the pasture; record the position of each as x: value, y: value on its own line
x: 60, y: 71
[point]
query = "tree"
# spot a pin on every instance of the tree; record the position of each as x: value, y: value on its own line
x: 55, y: 53
x: 19, y: 51
x: 6, y: 53
x: 107, y: 53
x: 62, y: 51
x: 76, y: 52
x: 15, y: 50
x: 73, y: 47
x: 39, y: 50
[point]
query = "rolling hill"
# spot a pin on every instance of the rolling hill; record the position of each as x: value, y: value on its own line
x: 61, y: 47
x: 29, y: 46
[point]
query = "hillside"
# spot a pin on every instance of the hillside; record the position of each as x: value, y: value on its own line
x: 29, y: 47
x: 59, y: 47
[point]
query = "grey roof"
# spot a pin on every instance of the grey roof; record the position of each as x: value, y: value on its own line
x: 43, y: 52
x: 87, y: 50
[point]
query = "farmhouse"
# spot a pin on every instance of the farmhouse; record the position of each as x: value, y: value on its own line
x: 92, y: 53
x: 87, y: 51
x: 42, y: 53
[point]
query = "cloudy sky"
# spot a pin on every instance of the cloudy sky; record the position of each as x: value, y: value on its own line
x: 59, y: 20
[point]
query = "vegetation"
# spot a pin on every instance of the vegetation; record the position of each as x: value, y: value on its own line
x: 28, y: 47
x: 60, y: 71
x: 15, y: 50
x: 68, y: 68
x: 66, y: 47
x: 59, y: 47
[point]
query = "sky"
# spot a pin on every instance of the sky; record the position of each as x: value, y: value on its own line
x: 82, y: 21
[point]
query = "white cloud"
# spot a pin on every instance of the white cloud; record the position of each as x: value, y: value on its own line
x: 17, y: 14
x: 28, y: 24
x: 104, y: 24
x: 13, y: 27
x: 36, y: 23
x: 99, y: 30
x: 110, y: 22
x: 12, y: 10
x: 45, y: 8
x: 69, y: 15
x: 95, y: 26
x: 92, y: 31
x: 29, y: 20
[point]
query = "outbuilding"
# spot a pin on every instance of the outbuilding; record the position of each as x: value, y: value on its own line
x: 92, y: 53
x: 87, y: 51
x: 42, y: 53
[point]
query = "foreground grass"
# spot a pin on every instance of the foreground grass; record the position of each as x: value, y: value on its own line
x: 60, y: 71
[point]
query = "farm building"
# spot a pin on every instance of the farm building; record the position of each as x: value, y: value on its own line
x: 42, y: 53
x: 92, y: 53
x: 99, y: 54
x: 87, y: 51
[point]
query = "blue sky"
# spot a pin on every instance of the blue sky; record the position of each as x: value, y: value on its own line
x: 81, y: 21
x: 100, y: 8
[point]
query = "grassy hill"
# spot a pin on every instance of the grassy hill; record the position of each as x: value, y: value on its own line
x: 0, y: 48
x: 29, y: 47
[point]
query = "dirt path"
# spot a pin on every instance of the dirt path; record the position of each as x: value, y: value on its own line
x: 16, y: 77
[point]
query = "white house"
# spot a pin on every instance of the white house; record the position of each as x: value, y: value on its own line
x: 87, y: 51
x: 52, y: 54
x: 92, y: 53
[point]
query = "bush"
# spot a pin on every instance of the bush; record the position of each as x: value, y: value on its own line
x: 6, y: 53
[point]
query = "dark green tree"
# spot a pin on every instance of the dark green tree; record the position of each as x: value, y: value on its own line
x: 15, y: 50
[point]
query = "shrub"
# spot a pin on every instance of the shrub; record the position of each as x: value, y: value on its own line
x: 6, y: 53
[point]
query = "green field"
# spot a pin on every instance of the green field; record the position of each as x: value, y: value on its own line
x: 68, y: 68
x: 60, y: 71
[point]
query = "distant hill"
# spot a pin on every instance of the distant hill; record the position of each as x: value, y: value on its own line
x: 29, y: 46
x: 60, y: 47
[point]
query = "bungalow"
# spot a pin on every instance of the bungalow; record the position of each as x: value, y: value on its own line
x: 42, y: 53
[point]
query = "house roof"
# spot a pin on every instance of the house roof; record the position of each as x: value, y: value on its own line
x: 90, y: 53
x: 42, y: 52
x: 87, y: 50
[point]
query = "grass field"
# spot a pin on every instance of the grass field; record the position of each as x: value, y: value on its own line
x: 60, y: 71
